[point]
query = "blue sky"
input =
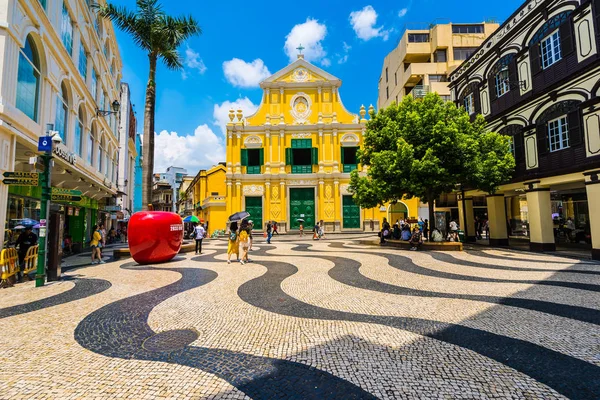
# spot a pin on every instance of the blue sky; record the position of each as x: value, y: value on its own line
x: 240, y: 45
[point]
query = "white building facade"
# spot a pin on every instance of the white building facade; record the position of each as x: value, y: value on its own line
x: 127, y: 154
x: 60, y: 64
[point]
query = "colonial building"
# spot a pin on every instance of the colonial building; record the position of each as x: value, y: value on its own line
x: 61, y: 66
x: 207, y: 193
x: 424, y: 57
x: 127, y: 154
x: 537, y: 79
x: 292, y: 159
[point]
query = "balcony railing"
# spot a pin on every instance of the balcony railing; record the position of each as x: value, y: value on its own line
x: 420, y: 91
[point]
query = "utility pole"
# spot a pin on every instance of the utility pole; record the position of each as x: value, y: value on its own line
x: 40, y: 276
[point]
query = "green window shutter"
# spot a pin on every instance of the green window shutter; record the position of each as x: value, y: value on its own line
x: 315, y: 155
x: 342, y: 152
x: 244, y: 157
x: 261, y: 156
x: 289, y: 159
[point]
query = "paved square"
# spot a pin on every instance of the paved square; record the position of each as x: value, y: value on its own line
x: 324, y: 320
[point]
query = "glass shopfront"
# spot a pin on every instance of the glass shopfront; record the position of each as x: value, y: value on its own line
x: 570, y: 214
x: 518, y: 216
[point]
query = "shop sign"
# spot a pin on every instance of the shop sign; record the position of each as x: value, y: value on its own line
x: 62, y: 152
x: 45, y: 144
x: 21, y: 178
x: 76, y: 212
x: 70, y: 211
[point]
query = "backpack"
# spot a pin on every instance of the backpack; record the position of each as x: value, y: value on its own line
x: 233, y: 236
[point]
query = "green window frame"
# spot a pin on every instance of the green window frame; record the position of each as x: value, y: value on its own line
x: 347, y: 168
x: 253, y: 169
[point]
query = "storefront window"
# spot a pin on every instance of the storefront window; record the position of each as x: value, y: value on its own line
x: 19, y: 208
x: 518, y: 215
x: 570, y: 214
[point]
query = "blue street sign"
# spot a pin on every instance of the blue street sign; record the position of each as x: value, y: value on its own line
x: 45, y: 144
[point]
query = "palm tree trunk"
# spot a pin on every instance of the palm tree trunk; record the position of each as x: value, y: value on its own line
x: 148, y: 150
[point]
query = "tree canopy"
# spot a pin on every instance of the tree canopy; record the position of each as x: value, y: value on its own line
x: 425, y: 147
x: 160, y: 36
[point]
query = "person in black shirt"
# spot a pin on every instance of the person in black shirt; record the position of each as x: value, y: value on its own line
x: 26, y: 239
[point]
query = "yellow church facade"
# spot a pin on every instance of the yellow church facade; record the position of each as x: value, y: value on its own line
x: 290, y: 162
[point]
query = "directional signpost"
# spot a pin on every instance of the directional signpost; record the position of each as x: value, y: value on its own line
x: 58, y: 194
x: 21, y: 178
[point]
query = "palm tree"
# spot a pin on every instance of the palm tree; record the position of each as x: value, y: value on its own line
x: 160, y: 35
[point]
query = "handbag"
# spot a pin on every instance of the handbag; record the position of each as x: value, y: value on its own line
x: 264, y: 234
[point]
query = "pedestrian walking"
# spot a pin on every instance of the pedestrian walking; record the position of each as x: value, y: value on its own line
x: 269, y: 232
x: 26, y: 239
x: 95, y: 243
x: 199, y: 234
x: 301, y: 229
x: 233, y: 245
x: 244, y: 243
x: 250, y: 229
x: 275, y: 228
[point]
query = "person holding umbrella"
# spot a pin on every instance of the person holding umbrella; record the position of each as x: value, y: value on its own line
x: 233, y: 245
x: 26, y: 239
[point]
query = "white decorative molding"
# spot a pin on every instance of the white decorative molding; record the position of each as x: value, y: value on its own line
x: 300, y: 74
x: 301, y: 135
x: 301, y: 107
x: 253, y: 142
x: 350, y: 140
x: 302, y: 182
x: 344, y: 190
x: 254, y: 190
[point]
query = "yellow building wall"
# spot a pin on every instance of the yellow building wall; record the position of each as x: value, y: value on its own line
x: 279, y: 120
x: 208, y: 207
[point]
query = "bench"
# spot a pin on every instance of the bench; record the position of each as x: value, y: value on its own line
x: 125, y: 253
x: 442, y: 246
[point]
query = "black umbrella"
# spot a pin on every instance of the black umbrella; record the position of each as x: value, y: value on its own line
x: 239, y: 216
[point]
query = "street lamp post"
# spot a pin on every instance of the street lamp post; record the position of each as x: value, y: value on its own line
x: 52, y: 137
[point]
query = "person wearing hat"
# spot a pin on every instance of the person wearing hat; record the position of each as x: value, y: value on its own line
x: 26, y: 239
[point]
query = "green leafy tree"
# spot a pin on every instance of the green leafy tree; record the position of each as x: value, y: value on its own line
x: 425, y: 147
x: 160, y: 36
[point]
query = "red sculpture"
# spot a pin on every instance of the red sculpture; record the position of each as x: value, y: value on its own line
x: 154, y: 236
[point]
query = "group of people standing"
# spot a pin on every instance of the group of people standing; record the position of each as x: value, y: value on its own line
x: 240, y: 240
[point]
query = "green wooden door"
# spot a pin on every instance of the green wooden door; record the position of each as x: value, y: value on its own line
x: 302, y: 205
x: 254, y: 207
x: 351, y: 213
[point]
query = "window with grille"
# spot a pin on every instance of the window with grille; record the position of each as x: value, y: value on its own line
x: 440, y: 56
x: 418, y: 37
x: 467, y: 28
x: 558, y: 133
x: 470, y: 104
x: 502, y: 82
x: 550, y: 49
x: 438, y: 78
x: 462, y: 53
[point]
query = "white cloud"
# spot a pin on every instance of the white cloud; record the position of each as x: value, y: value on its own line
x: 310, y: 35
x: 402, y: 12
x: 200, y: 150
x: 221, y: 111
x: 363, y: 22
x: 342, y: 58
x: 192, y: 60
x: 246, y: 75
x: 326, y: 62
